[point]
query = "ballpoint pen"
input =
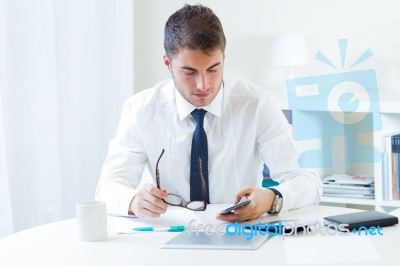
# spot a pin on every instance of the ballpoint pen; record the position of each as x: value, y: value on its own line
x: 171, y: 228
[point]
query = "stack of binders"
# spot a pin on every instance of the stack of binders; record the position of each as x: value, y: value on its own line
x: 349, y: 186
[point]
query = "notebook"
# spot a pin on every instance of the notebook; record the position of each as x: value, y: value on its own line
x: 359, y: 219
x: 201, y: 240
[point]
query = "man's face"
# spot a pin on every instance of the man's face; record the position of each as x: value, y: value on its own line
x: 197, y: 76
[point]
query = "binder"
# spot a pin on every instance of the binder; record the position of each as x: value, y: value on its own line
x: 359, y: 219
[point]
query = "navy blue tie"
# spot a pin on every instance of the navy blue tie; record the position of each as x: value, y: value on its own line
x: 199, y: 150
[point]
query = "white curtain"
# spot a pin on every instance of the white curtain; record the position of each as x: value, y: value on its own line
x: 66, y: 66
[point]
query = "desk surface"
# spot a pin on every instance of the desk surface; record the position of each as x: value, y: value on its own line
x: 57, y: 244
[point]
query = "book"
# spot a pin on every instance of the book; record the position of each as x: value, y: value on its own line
x: 390, y: 166
x: 361, y: 219
x: 349, y: 192
x: 395, y: 165
x: 387, y: 182
x: 394, y: 168
x: 349, y: 186
x: 360, y: 196
x: 348, y: 180
x: 346, y: 187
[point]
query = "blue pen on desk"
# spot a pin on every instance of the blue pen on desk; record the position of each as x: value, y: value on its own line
x: 172, y: 228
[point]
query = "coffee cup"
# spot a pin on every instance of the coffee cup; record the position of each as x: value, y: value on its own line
x: 91, y: 219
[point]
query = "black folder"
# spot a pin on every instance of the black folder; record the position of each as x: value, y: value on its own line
x: 360, y: 219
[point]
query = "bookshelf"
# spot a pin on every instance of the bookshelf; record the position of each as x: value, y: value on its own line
x: 338, y: 153
x: 390, y: 115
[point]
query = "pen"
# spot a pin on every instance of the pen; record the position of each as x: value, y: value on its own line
x: 282, y: 221
x: 172, y: 228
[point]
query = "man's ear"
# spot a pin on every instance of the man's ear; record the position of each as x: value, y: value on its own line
x: 167, y: 61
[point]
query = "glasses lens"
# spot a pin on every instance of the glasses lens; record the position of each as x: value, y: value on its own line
x: 195, y: 205
x: 173, y: 199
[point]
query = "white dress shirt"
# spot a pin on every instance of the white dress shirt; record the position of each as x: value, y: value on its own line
x: 244, y: 130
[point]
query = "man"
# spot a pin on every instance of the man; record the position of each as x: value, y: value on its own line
x: 238, y: 131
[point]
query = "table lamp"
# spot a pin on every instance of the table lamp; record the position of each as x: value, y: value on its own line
x: 289, y: 51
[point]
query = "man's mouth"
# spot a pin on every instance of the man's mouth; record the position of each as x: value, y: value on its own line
x: 202, y: 95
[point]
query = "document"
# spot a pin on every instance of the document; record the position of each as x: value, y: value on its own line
x: 189, y: 240
x: 175, y: 216
x: 329, y: 249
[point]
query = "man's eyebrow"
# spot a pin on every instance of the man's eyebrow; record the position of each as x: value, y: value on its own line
x: 193, y: 69
x: 188, y: 68
x: 216, y: 64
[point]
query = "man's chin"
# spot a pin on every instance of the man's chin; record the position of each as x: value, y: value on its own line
x: 201, y: 102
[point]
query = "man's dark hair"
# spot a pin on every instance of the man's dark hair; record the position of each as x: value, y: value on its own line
x: 195, y: 27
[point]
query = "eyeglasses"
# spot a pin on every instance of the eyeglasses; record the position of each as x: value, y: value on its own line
x: 176, y: 200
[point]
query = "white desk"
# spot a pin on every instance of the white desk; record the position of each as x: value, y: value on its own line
x: 57, y: 244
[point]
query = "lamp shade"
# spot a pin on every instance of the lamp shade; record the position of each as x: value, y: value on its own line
x: 289, y: 50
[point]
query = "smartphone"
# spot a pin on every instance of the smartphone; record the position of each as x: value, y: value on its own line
x: 240, y: 204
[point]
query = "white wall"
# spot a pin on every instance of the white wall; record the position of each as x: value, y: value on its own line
x: 251, y: 25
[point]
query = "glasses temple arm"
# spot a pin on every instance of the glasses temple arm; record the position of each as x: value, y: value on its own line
x: 203, y: 183
x: 157, y: 170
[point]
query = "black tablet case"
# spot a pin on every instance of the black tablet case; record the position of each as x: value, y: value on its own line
x: 365, y: 218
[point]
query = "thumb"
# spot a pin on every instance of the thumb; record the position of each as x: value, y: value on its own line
x: 242, y: 193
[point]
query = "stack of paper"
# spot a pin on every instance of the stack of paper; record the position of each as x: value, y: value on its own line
x: 348, y: 186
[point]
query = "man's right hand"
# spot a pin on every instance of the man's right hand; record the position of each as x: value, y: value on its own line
x: 148, y: 202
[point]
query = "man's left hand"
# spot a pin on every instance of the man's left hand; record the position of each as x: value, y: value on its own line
x: 261, y: 202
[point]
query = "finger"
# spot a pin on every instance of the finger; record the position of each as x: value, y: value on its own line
x: 149, y: 206
x: 155, y: 201
x: 238, y: 215
x: 145, y: 207
x: 162, y: 194
x: 231, y: 217
x: 146, y: 204
x: 143, y: 212
x: 243, y: 210
x: 156, y: 196
x: 246, y: 191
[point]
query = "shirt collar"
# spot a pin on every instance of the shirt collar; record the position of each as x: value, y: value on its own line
x: 185, y: 108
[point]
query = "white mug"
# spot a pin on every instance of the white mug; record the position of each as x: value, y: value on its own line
x: 91, y: 219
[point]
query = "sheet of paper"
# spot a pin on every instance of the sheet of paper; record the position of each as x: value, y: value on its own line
x: 174, y: 216
x: 208, y: 216
x: 329, y: 249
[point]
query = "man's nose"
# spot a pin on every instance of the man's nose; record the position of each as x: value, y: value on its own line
x: 201, y: 82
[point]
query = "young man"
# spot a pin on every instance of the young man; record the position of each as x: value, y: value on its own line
x: 214, y: 131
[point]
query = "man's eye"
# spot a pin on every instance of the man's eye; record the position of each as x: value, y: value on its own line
x: 212, y: 70
x: 189, y: 72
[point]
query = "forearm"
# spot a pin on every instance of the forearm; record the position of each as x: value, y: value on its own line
x: 116, y: 195
x: 299, y: 188
x: 120, y: 178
